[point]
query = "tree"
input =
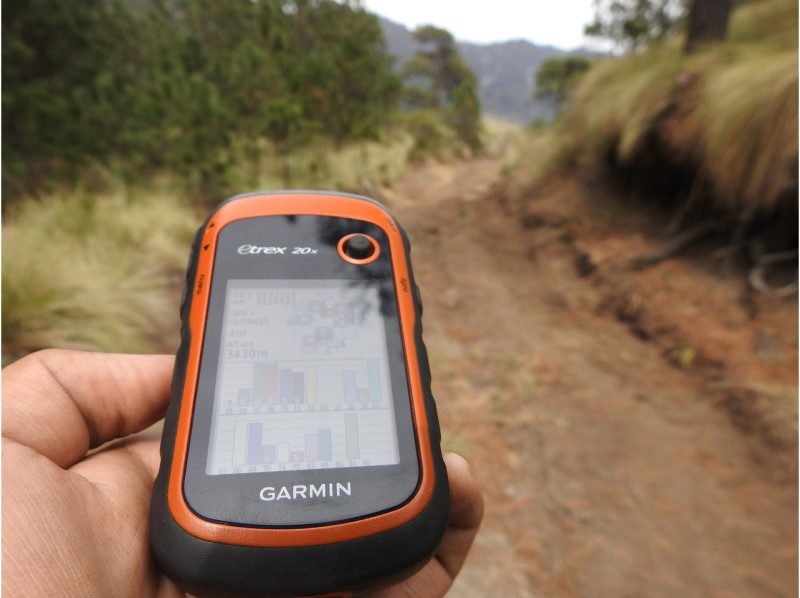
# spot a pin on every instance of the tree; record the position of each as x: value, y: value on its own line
x: 631, y: 24
x: 464, y: 115
x: 188, y: 86
x: 438, y: 78
x: 707, y: 22
x: 557, y: 77
x: 53, y: 55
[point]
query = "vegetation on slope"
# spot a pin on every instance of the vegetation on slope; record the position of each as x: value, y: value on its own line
x: 440, y: 85
x: 725, y: 116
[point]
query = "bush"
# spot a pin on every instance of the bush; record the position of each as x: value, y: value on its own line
x: 430, y: 137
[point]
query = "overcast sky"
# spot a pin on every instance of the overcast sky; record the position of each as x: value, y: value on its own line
x: 555, y: 22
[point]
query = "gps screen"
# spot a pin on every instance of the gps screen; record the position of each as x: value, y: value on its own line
x: 303, y: 379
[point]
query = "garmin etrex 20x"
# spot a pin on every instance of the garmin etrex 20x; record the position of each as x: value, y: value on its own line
x: 300, y: 452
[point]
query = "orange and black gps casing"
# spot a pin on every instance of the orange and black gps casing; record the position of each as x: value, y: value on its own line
x: 212, y: 533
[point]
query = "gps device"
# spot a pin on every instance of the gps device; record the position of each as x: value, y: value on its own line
x: 300, y: 452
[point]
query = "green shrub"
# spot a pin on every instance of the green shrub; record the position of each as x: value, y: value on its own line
x: 179, y: 85
x: 430, y: 137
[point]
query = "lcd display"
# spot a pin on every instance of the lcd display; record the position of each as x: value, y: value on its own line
x: 303, y: 378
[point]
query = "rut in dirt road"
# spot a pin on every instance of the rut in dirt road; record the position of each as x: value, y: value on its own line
x: 607, y: 469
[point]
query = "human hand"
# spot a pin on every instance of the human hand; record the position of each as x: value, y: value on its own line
x: 75, y: 523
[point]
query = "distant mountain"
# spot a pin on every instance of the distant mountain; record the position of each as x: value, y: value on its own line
x: 505, y: 74
x: 504, y: 70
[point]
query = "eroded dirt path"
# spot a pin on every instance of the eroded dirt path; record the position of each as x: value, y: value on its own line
x: 615, y: 418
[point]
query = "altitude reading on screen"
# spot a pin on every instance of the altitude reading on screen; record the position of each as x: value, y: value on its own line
x: 303, y: 379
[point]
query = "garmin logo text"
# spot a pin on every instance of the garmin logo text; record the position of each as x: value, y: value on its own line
x: 330, y: 490
x: 255, y: 249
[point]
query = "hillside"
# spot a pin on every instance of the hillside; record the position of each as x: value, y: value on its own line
x: 505, y: 72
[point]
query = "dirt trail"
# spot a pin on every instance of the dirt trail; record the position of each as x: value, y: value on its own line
x: 464, y: 181
x: 616, y: 419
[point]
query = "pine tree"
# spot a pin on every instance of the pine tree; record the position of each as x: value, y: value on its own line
x: 437, y: 77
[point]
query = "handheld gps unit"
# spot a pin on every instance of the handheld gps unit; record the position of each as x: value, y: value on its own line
x: 300, y: 452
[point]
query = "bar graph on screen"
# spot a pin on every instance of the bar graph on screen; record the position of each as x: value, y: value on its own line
x: 303, y: 415
x: 336, y: 383
x: 285, y: 442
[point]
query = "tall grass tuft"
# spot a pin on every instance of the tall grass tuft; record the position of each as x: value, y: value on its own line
x: 771, y: 23
x: 618, y: 101
x: 747, y: 118
x: 81, y: 271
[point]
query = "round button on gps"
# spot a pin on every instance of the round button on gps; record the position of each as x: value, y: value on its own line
x: 358, y: 249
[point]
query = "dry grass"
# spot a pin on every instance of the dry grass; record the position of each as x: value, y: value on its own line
x: 357, y: 167
x: 747, y: 119
x: 80, y: 271
x: 619, y: 100
x: 102, y: 269
x: 729, y: 111
x: 770, y: 23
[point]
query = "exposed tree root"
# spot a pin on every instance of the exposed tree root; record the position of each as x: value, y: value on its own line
x: 678, y: 244
x: 738, y: 245
x: 686, y: 206
x: 761, y: 264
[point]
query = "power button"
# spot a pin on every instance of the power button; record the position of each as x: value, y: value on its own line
x: 358, y: 249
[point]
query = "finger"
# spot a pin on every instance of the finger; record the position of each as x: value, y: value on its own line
x: 466, y: 513
x: 432, y: 580
x: 62, y: 403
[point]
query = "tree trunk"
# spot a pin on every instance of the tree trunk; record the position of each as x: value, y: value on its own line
x: 708, y: 22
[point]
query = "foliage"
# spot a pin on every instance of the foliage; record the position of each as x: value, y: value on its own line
x: 631, y: 24
x: 430, y: 136
x: 728, y: 112
x: 176, y: 84
x: 438, y: 79
x: 557, y: 77
x: 464, y: 115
